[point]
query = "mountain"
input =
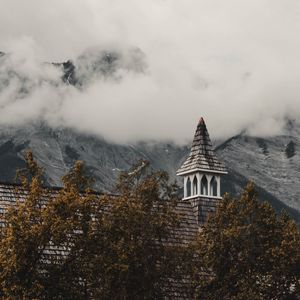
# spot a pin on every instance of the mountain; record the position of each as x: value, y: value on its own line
x: 272, y: 163
x: 57, y: 149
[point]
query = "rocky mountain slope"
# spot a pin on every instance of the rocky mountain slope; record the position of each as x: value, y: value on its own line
x: 57, y: 150
x: 272, y: 163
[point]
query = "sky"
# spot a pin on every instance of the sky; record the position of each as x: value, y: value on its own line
x: 236, y: 63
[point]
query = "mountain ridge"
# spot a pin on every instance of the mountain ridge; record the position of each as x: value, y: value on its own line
x: 57, y: 149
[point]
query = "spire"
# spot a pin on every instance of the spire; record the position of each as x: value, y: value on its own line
x: 201, y: 121
x: 201, y: 156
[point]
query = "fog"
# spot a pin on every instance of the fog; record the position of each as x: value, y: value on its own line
x: 236, y: 63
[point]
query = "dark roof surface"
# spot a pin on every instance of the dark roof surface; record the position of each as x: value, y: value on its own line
x: 10, y: 193
x: 183, y: 235
x: 202, y: 155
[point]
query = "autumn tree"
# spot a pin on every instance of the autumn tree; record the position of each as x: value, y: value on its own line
x: 124, y: 250
x: 139, y: 234
x: 72, y: 243
x: 71, y: 215
x: 24, y: 236
x: 247, y: 251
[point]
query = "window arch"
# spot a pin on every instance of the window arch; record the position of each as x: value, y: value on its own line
x: 204, y: 186
x: 188, y: 187
x: 195, y: 186
x: 214, y: 186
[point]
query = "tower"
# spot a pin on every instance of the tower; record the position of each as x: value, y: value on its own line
x: 202, y: 173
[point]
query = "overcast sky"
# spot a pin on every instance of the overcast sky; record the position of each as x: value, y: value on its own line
x: 236, y: 63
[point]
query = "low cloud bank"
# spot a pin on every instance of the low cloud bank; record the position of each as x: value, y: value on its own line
x: 150, y: 70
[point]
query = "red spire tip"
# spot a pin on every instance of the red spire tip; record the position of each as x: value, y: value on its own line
x: 201, y: 121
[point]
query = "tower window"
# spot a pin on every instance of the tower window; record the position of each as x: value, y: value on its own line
x: 214, y: 186
x: 188, y: 187
x: 204, y: 186
x: 195, y: 186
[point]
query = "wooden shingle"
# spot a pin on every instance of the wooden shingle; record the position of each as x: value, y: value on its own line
x: 202, y: 156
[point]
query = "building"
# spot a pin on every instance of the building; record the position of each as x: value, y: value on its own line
x: 201, y: 173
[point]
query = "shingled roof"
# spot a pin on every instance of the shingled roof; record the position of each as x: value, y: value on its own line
x: 184, y: 234
x: 202, y: 156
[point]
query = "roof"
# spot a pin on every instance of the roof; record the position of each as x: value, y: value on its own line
x: 202, y: 156
x: 10, y: 193
x: 182, y: 235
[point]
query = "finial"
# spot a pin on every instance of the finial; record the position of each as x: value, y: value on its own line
x: 201, y: 121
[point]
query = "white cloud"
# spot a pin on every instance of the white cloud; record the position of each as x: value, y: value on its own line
x: 234, y: 62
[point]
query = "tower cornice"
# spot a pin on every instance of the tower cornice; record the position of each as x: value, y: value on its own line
x: 201, y: 170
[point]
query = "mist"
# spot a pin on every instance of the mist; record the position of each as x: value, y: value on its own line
x: 236, y: 63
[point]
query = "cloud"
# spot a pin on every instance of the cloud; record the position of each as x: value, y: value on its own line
x: 234, y: 62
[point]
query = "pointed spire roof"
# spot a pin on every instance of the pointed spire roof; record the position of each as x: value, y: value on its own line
x: 202, y: 156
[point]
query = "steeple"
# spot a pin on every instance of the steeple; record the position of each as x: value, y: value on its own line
x: 202, y: 157
x: 202, y: 169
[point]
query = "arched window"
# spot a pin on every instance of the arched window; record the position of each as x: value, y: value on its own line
x: 214, y: 186
x: 188, y: 187
x: 195, y: 186
x: 204, y: 186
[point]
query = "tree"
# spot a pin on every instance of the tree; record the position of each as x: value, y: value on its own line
x: 73, y: 243
x: 125, y: 252
x: 143, y: 254
x: 71, y: 215
x: 246, y: 250
x: 24, y: 237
